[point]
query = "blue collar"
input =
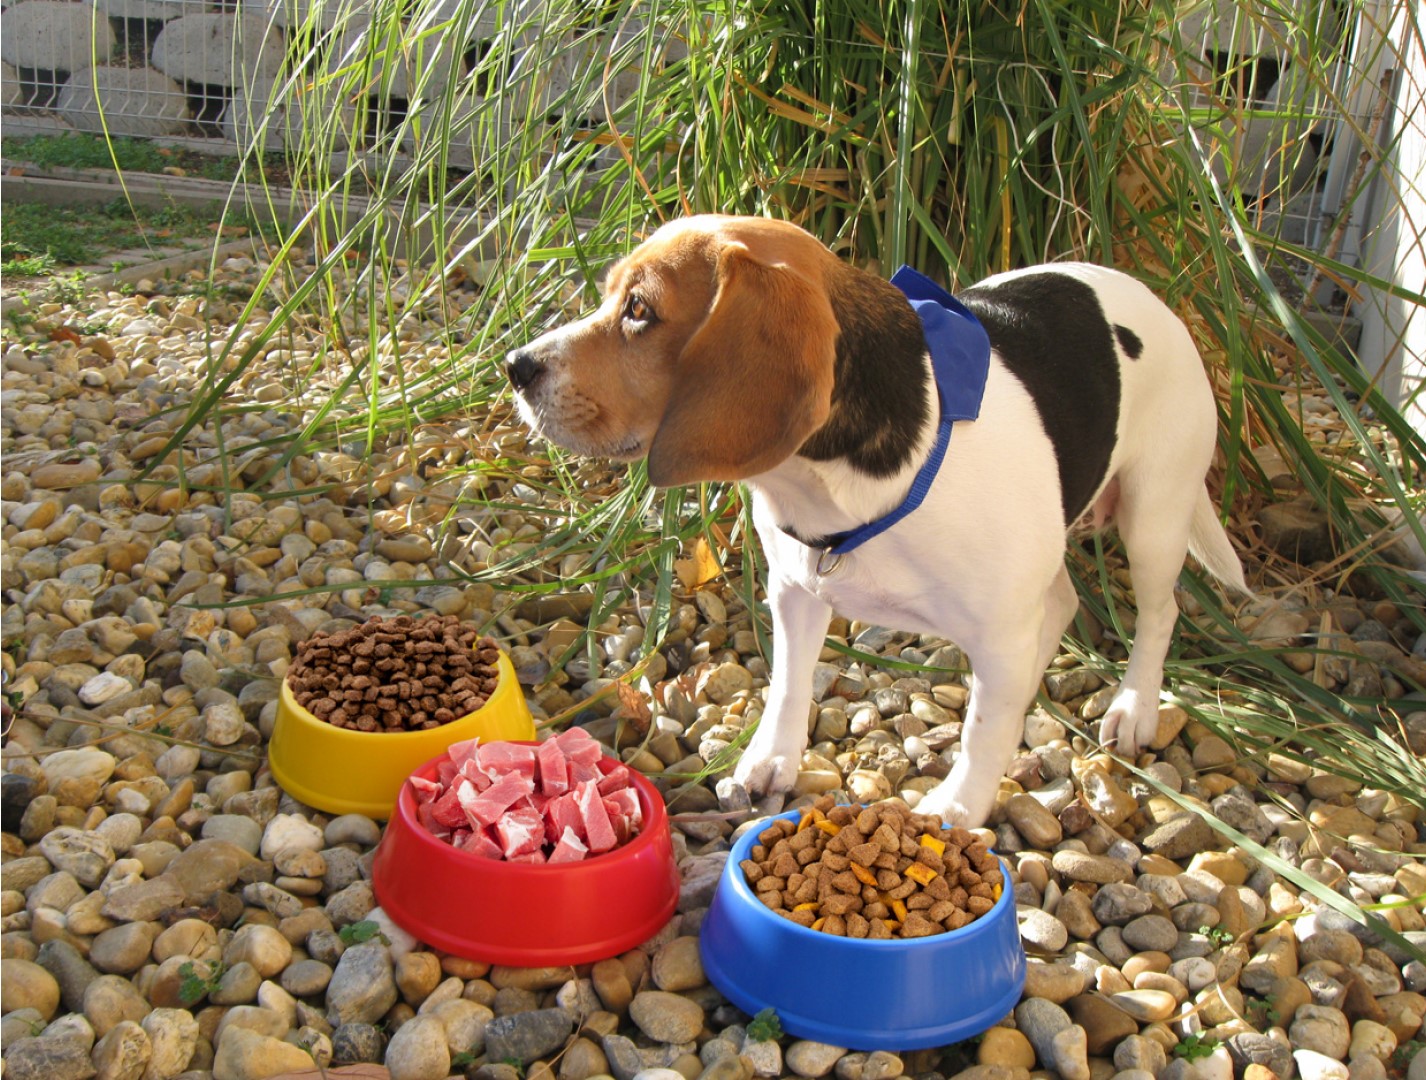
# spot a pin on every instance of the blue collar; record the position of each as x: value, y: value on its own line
x: 960, y: 361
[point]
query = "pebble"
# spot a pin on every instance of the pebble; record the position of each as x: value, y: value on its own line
x: 665, y: 1017
x: 527, y: 1036
x: 243, y: 1054
x: 418, y: 1051
x: 26, y: 985
x: 808, y: 1058
x: 362, y: 986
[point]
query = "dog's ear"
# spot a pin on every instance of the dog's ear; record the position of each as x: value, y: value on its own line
x: 754, y: 381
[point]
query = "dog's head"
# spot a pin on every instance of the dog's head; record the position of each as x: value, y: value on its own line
x: 712, y: 353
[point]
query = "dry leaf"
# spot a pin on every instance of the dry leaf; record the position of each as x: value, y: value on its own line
x: 64, y: 333
x: 636, y: 706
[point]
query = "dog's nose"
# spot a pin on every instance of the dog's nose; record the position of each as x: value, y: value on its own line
x: 523, y: 369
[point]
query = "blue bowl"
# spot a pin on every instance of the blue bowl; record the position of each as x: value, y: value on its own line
x: 898, y: 994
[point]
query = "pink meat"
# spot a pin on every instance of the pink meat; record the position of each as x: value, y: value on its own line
x: 569, y: 849
x: 560, y: 814
x: 626, y: 805
x: 447, y: 809
x: 537, y: 857
x: 579, y: 746
x: 425, y: 790
x: 554, y: 770
x: 498, y: 759
x: 478, y: 842
x: 598, y: 830
x: 462, y: 752
x: 470, y: 770
x: 425, y: 814
x: 581, y: 773
x: 616, y: 779
x: 446, y: 771
x: 521, y: 832
x: 487, y: 807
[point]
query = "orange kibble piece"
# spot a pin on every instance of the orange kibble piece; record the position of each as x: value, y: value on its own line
x: 865, y: 876
x: 920, y: 872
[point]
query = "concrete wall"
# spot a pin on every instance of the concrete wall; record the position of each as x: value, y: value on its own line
x: 1393, y: 344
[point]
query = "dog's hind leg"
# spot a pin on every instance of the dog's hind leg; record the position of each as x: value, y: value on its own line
x: 1153, y: 522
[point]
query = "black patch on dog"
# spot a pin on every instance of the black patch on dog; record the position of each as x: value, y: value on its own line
x: 1129, y: 342
x: 1052, y: 335
x: 879, y: 399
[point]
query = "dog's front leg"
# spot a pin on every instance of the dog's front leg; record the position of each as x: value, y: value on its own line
x: 1002, y: 687
x: 799, y: 626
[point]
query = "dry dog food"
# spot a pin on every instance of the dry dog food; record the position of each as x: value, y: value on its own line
x: 873, y: 872
x: 400, y: 674
x: 562, y: 801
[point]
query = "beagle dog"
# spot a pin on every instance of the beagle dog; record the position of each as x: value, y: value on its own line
x: 730, y: 348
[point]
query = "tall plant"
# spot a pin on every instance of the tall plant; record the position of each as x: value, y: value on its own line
x: 527, y: 144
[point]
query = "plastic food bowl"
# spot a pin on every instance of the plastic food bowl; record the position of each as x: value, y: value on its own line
x: 899, y: 994
x: 343, y: 771
x: 524, y: 915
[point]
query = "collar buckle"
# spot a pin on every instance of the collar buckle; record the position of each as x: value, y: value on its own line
x: 825, y: 567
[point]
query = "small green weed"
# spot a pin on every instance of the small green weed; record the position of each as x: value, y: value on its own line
x: 1217, y: 934
x: 1404, y: 1054
x: 463, y: 1060
x: 358, y: 932
x: 195, y: 984
x: 1193, y: 1047
x: 765, y: 1025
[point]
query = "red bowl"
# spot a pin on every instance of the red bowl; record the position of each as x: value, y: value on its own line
x: 523, y: 915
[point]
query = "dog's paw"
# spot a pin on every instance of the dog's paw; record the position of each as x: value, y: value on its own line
x: 952, y: 811
x: 1130, y: 724
x: 761, y: 775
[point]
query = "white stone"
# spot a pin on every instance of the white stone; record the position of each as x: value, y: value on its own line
x: 53, y: 36
x: 134, y: 101
x: 104, y: 687
x: 1314, y: 1066
x: 219, y: 49
x: 84, y: 764
x: 423, y: 69
x: 290, y: 832
x: 155, y: 10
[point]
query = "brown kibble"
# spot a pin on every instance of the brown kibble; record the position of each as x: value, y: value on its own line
x: 887, y: 838
x: 847, y: 882
x: 785, y: 865
x: 917, y: 925
x: 841, y: 903
x: 865, y: 854
x: 867, y: 873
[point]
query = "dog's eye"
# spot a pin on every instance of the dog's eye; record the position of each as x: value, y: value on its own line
x: 635, y: 310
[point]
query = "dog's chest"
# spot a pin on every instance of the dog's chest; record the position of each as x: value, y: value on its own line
x: 872, y: 584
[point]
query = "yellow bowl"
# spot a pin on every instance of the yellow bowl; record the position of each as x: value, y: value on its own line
x: 343, y: 771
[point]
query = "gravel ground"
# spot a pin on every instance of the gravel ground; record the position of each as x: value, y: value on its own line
x: 169, y: 912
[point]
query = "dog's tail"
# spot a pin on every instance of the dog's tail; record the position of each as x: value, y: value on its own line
x: 1209, y: 543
